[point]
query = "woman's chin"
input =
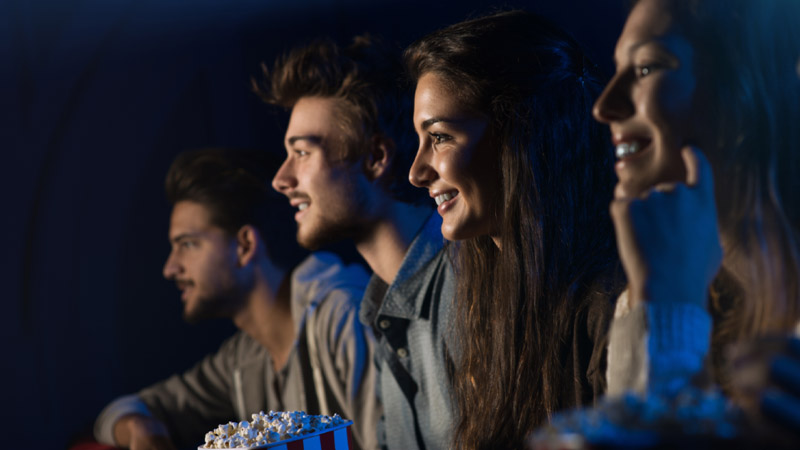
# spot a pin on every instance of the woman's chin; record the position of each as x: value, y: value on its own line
x: 625, y: 190
x: 450, y: 235
x: 630, y: 187
x: 460, y: 232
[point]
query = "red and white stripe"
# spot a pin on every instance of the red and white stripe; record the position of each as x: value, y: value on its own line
x: 338, y: 439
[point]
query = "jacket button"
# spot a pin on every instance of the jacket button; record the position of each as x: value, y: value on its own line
x: 401, y: 352
x: 384, y: 324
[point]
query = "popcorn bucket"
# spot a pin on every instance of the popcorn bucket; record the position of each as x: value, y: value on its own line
x: 339, y: 437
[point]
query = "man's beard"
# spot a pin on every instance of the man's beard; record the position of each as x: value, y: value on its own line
x: 331, y: 234
x: 221, y: 305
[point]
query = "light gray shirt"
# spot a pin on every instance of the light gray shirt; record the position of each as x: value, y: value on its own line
x: 414, y: 353
x: 239, y: 379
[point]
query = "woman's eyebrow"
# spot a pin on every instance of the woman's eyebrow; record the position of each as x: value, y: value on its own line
x: 427, y: 123
x: 636, y: 46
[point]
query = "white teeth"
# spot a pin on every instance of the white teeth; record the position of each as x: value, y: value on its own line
x: 624, y: 149
x: 302, y: 206
x: 443, y: 198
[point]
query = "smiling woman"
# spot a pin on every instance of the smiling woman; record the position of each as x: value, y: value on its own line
x: 695, y: 78
x: 730, y: 90
x: 455, y: 162
x: 522, y: 177
x: 661, y: 112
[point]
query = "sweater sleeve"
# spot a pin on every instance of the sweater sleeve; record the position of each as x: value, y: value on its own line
x: 122, y: 406
x: 345, y: 352
x: 679, y: 337
x: 189, y: 404
x: 656, y: 347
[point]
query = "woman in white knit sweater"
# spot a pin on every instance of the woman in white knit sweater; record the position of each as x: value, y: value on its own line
x: 704, y: 110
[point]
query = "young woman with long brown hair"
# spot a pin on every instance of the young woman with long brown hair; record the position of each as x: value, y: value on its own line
x: 720, y: 76
x: 522, y: 178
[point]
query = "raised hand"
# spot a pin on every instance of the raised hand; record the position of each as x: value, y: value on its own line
x: 668, y: 238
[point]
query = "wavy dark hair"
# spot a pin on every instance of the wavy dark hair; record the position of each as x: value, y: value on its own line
x: 234, y: 185
x: 365, y: 77
x: 517, y: 308
x: 748, y: 51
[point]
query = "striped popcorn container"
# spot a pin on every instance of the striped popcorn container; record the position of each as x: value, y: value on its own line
x: 336, y: 438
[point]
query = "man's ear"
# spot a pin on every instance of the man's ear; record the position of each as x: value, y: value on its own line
x: 247, y: 241
x: 379, y: 157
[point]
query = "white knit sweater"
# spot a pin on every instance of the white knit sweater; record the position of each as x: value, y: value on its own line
x: 656, y: 347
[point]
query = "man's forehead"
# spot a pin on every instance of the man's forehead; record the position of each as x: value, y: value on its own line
x: 188, y: 217
x: 316, y: 117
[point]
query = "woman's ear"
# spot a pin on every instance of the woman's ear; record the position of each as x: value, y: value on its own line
x: 379, y: 157
x: 247, y: 242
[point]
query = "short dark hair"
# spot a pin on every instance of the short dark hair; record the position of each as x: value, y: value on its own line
x: 234, y: 185
x: 366, y: 78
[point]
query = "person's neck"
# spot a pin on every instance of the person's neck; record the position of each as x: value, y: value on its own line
x: 384, y: 246
x: 267, y: 318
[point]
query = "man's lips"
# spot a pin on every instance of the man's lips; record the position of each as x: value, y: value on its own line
x: 184, y: 287
x: 301, y: 203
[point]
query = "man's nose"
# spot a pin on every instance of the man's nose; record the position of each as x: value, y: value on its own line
x: 284, y: 179
x: 171, y: 267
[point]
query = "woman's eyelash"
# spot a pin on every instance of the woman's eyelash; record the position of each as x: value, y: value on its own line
x: 643, y: 70
x: 438, y: 138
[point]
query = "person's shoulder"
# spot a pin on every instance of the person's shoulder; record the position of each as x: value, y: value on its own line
x: 331, y: 288
x: 599, y: 300
x: 238, y: 339
x: 600, y: 303
x: 326, y: 268
x: 240, y: 349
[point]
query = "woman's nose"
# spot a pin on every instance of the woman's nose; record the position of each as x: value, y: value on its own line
x: 421, y: 173
x: 614, y: 104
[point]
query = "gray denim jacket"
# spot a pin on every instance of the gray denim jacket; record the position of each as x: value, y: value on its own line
x: 239, y: 379
x: 414, y: 352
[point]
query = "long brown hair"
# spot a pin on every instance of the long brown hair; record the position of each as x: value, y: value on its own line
x: 749, y: 52
x: 517, y: 307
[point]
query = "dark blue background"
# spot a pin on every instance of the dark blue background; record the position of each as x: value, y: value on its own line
x: 97, y: 98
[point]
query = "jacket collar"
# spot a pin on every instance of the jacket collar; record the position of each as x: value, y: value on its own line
x: 403, y: 298
x: 316, y: 277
